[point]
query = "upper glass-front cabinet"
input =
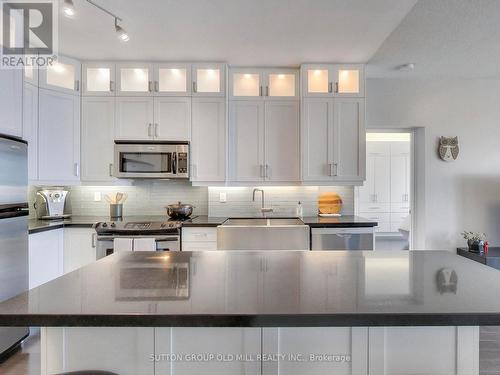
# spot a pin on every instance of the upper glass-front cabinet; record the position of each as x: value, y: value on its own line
x: 172, y: 79
x: 134, y: 79
x: 208, y: 79
x: 248, y: 83
x: 345, y: 80
x: 63, y: 75
x: 98, y: 79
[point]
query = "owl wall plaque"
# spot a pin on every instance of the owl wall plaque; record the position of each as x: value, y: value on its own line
x: 448, y: 148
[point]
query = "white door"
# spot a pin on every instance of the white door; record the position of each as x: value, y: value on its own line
x: 79, y: 248
x: 31, y: 75
x: 382, y: 179
x: 59, y: 136
x: 208, y: 140
x: 208, y: 79
x: 245, y: 83
x: 172, y: 79
x: 134, y: 118
x: 134, y: 79
x: 63, y: 75
x: 317, y: 130
x: 98, y: 79
x: 30, y: 128
x: 349, y: 80
x: 172, y: 118
x: 317, y: 80
x: 282, y: 148
x: 366, y: 193
x: 98, y: 121
x: 280, y: 84
x: 349, y: 140
x: 246, y: 140
x: 11, y: 102
x: 45, y: 257
x: 399, y: 178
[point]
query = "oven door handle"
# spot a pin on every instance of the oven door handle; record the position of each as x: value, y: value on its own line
x: 174, y: 162
x: 157, y: 238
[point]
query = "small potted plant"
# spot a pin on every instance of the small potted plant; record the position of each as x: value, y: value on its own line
x: 475, y: 241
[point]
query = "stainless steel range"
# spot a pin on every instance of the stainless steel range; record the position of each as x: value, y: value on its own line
x: 116, y: 236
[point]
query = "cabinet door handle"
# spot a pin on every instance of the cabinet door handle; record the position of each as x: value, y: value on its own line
x: 77, y: 169
x: 111, y: 86
x: 260, y: 90
x: 267, y: 90
x: 330, y: 87
x: 94, y: 235
x: 110, y: 169
x: 149, y: 130
x: 194, y: 86
x: 77, y: 85
x: 157, y: 86
x: 267, y: 171
x: 336, y: 169
x: 150, y: 86
x: 336, y: 87
x: 156, y: 130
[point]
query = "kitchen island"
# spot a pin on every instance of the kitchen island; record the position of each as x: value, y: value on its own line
x: 311, y: 312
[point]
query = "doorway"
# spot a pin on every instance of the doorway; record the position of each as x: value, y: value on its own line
x: 387, y: 195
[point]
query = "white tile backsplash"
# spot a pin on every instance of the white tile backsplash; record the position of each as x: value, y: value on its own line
x: 151, y: 197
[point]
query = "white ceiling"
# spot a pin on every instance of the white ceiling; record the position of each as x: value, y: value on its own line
x: 455, y: 38
x: 240, y: 32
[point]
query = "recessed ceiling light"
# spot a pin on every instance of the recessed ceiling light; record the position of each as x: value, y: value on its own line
x: 69, y: 8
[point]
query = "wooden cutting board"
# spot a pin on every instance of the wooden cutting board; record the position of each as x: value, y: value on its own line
x: 329, y: 203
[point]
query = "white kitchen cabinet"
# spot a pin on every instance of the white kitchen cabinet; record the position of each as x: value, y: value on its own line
x: 208, y: 79
x: 134, y: 118
x: 333, y: 80
x: 246, y: 140
x: 208, y: 140
x: 281, y: 135
x: 134, y: 79
x: 30, y: 128
x: 79, y: 248
x: 300, y: 343
x: 172, y: 79
x: 45, y: 256
x: 31, y: 75
x: 59, y: 137
x: 172, y: 118
x: 199, y: 238
x: 98, y: 120
x: 11, y: 102
x: 400, y: 169
x: 185, y: 341
x: 333, y: 140
x: 63, y: 76
x: 263, y: 83
x: 264, y: 141
x: 98, y: 79
x: 376, y: 188
x: 121, y: 350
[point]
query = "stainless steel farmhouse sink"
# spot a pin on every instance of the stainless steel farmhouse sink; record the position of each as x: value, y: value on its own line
x: 263, y: 234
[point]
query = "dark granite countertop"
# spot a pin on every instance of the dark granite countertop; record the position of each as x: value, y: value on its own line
x: 344, y: 221
x: 205, y: 221
x: 293, y: 288
x: 492, y: 258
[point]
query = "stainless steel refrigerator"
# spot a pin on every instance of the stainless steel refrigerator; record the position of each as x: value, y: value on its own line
x: 13, y: 231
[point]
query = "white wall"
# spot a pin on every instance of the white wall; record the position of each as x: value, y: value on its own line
x: 464, y: 194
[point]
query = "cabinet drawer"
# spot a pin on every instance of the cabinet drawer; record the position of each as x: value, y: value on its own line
x: 199, y: 234
x: 199, y: 246
x: 400, y: 207
x: 376, y: 216
x: 374, y: 207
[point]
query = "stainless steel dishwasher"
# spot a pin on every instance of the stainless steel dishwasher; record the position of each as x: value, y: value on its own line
x: 358, y: 238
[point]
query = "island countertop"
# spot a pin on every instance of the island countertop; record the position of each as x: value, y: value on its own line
x: 265, y: 289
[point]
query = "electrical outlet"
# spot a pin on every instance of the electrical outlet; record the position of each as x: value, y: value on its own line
x: 97, y: 196
x: 222, y: 197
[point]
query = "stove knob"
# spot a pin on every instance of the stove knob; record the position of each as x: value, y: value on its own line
x: 113, y: 225
x: 104, y: 225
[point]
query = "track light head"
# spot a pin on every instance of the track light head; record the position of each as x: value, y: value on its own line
x: 69, y: 8
x: 122, y: 33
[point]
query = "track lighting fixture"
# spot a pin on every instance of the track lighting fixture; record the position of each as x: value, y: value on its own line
x: 122, y: 34
x: 69, y: 8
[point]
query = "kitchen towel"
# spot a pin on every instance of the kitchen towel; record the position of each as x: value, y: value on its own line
x: 122, y: 244
x: 144, y: 244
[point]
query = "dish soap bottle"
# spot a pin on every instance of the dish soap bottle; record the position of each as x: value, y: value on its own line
x: 299, y: 210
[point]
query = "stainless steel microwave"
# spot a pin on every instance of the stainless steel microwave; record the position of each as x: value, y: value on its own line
x: 154, y: 159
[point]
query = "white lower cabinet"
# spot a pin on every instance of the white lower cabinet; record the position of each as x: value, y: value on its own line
x: 11, y: 102
x: 199, y: 238
x: 125, y: 351
x: 59, y: 137
x: 98, y: 121
x: 79, y: 248
x: 208, y: 140
x: 206, y: 342
x: 30, y: 128
x: 45, y: 257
